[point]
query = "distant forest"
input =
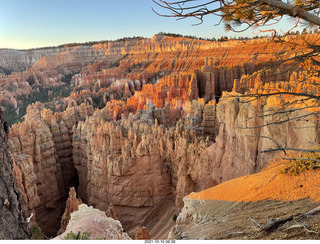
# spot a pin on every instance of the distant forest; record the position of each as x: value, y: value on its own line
x: 91, y: 43
x: 219, y: 39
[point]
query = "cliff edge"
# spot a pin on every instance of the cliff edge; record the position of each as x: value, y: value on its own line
x: 12, y: 222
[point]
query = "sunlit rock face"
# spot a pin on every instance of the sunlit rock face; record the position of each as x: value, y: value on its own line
x: 213, y: 66
x: 138, y: 161
x: 13, y: 60
x: 182, y: 69
x: 136, y: 164
x: 163, y: 125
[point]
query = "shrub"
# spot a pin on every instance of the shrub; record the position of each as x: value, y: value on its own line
x: 79, y: 236
x: 37, y: 233
x: 174, y: 217
x: 296, y: 167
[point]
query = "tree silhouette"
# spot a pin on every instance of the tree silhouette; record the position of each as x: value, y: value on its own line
x: 236, y: 13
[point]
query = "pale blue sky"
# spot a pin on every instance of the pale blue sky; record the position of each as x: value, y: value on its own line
x: 38, y: 23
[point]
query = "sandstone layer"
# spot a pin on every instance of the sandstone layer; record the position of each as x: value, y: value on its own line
x: 103, y: 69
x: 136, y: 163
x: 41, y: 147
x: 165, y: 127
x: 141, y: 233
x: 72, y: 205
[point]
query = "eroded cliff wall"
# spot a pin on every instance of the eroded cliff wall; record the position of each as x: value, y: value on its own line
x: 95, y: 68
x: 42, y: 151
x: 136, y: 163
x: 162, y: 140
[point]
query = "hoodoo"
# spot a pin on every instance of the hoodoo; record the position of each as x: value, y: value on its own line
x: 130, y: 136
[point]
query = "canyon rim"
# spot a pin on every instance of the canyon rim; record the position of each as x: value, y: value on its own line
x: 169, y: 137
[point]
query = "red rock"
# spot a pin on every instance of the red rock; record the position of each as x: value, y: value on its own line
x: 141, y: 233
x: 111, y: 213
x: 72, y: 205
x: 42, y: 149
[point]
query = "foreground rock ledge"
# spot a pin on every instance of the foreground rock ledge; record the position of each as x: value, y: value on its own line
x: 94, y: 221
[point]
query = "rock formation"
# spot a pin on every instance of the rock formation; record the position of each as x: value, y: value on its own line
x: 133, y: 176
x: 27, y: 184
x: 136, y: 163
x: 42, y: 151
x: 34, y: 140
x: 141, y: 233
x: 104, y: 68
x: 93, y: 221
x: 111, y: 213
x: 13, y: 223
x: 72, y: 205
x: 165, y: 126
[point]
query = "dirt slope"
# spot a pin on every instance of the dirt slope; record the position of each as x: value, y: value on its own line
x: 237, y: 209
x: 160, y: 220
x: 268, y: 184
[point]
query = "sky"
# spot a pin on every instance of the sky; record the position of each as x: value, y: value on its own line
x: 28, y: 24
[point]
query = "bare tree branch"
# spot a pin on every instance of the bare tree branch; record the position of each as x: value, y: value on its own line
x: 275, y: 142
x: 289, y: 149
x: 235, y: 12
x: 293, y: 11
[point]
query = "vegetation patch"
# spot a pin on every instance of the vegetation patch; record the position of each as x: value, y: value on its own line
x: 79, y: 236
x: 307, y: 162
x: 44, y: 95
x: 37, y: 234
x: 174, y: 218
